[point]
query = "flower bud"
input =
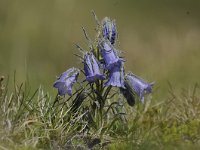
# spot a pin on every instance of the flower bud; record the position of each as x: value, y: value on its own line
x: 109, y: 30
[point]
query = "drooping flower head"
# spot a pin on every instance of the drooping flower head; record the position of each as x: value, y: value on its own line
x: 138, y: 85
x: 116, y: 76
x: 91, y: 68
x: 110, y: 55
x: 109, y: 30
x: 128, y: 94
x: 66, y: 80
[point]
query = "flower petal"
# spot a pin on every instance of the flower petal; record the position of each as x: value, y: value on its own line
x: 116, y: 76
x: 66, y: 80
x: 138, y: 85
x: 92, y: 68
x: 109, y: 55
x: 129, y: 95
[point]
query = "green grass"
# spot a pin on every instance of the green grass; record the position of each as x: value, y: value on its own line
x: 30, y: 121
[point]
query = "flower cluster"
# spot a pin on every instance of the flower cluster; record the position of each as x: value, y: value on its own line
x: 103, y: 63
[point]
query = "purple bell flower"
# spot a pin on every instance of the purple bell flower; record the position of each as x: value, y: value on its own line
x: 128, y: 94
x: 139, y: 86
x: 110, y: 55
x: 116, y: 76
x: 66, y: 80
x: 109, y: 30
x: 91, y: 68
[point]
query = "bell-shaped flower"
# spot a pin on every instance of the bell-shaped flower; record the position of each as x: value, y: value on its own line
x: 109, y: 30
x: 110, y: 55
x: 92, y: 68
x: 138, y: 85
x: 116, y: 76
x: 128, y: 94
x: 66, y: 80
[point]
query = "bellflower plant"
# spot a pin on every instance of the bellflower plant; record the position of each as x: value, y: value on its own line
x: 103, y: 80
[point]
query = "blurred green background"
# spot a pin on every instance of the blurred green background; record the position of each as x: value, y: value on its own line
x: 161, y: 39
